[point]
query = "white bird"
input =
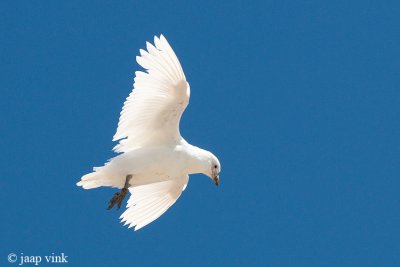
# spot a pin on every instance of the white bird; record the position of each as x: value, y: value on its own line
x: 156, y: 161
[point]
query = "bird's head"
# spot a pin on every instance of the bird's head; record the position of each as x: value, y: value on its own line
x: 203, y: 161
x: 215, y: 169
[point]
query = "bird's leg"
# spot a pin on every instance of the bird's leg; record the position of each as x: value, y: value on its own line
x: 119, y: 196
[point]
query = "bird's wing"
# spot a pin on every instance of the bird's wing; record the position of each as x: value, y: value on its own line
x: 148, y: 202
x: 152, y: 111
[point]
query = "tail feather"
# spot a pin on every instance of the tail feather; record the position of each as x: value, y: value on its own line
x: 96, y: 179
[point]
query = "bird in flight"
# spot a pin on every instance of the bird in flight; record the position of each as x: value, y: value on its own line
x: 155, y: 160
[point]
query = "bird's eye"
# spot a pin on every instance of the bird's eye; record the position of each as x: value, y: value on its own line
x: 215, y: 166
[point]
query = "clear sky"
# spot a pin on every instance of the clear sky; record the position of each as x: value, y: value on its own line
x: 298, y: 99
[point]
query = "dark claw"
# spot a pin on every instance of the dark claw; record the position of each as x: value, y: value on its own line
x: 117, y: 199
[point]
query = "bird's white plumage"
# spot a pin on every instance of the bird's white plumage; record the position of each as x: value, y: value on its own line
x: 153, y: 151
x: 152, y: 111
x: 150, y: 201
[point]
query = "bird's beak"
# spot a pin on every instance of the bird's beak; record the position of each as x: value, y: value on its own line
x: 216, y: 179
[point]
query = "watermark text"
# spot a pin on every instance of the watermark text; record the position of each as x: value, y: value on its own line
x: 22, y: 259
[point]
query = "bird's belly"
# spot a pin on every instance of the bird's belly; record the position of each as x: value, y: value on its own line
x: 156, y: 172
x: 151, y: 166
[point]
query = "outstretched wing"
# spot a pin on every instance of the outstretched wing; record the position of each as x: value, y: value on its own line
x: 152, y: 111
x: 148, y: 202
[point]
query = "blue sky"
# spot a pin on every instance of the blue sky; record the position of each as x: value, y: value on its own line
x: 298, y: 99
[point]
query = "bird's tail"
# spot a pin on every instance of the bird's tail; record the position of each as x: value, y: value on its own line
x: 96, y: 179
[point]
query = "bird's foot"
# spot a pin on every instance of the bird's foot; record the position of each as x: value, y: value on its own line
x: 118, y: 198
